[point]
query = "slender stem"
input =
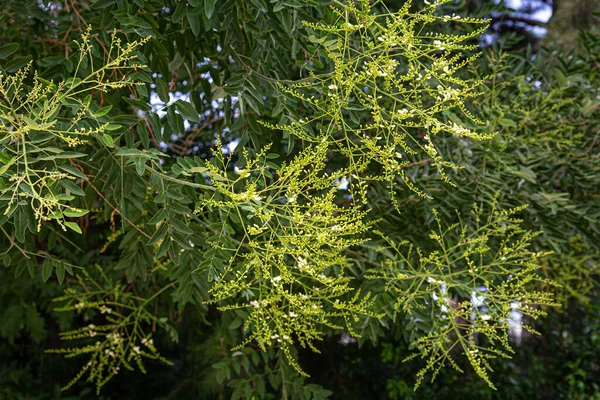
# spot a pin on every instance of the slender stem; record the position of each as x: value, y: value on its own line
x: 117, y: 210
x: 13, y: 243
x: 182, y: 182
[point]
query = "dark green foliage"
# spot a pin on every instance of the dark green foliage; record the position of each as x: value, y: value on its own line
x: 163, y: 268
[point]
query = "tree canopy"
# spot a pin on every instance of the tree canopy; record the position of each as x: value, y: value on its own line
x: 216, y: 199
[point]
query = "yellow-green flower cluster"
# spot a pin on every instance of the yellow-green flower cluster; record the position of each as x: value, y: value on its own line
x: 290, y: 265
x: 391, y: 85
x: 35, y: 120
x: 491, y: 263
x: 122, y: 341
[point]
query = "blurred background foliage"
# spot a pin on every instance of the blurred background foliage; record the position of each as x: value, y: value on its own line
x: 542, y: 95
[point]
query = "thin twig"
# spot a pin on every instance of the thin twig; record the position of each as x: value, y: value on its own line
x: 115, y: 208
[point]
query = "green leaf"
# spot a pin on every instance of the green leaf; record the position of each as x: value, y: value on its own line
x: 209, y: 7
x: 7, y: 165
x: 103, y: 111
x: 187, y: 110
x: 171, y: 119
x: 73, y: 226
x: 216, y: 177
x: 60, y: 270
x: 75, y: 213
x: 239, y: 123
x: 158, y: 235
x: 46, y: 269
x: 143, y: 135
x: 236, y: 323
x: 199, y: 170
x: 113, y: 127
x: 73, y: 171
x: 4, y: 158
x: 179, y: 13
x: 8, y: 50
x: 30, y: 123
x: 108, y: 140
x: 142, y: 105
x: 140, y: 166
x: 20, y: 224
x: 129, y: 153
x: 507, y: 123
x: 261, y: 5
x: 194, y: 19
x: 64, y: 154
x: 17, y: 63
x: 72, y: 187
x: 196, y: 100
x: 163, y: 90
x: 159, y: 216
x: 181, y: 227
x: 216, y: 77
x: 163, y: 248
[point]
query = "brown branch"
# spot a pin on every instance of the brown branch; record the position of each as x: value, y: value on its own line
x: 113, y: 207
x: 416, y: 163
x: 514, y: 18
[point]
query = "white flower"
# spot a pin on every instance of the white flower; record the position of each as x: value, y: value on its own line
x: 293, y: 314
x: 486, y: 317
x: 136, y: 349
x: 431, y: 280
x: 241, y: 172
x: 302, y: 263
x: 332, y: 87
x: 254, y: 304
